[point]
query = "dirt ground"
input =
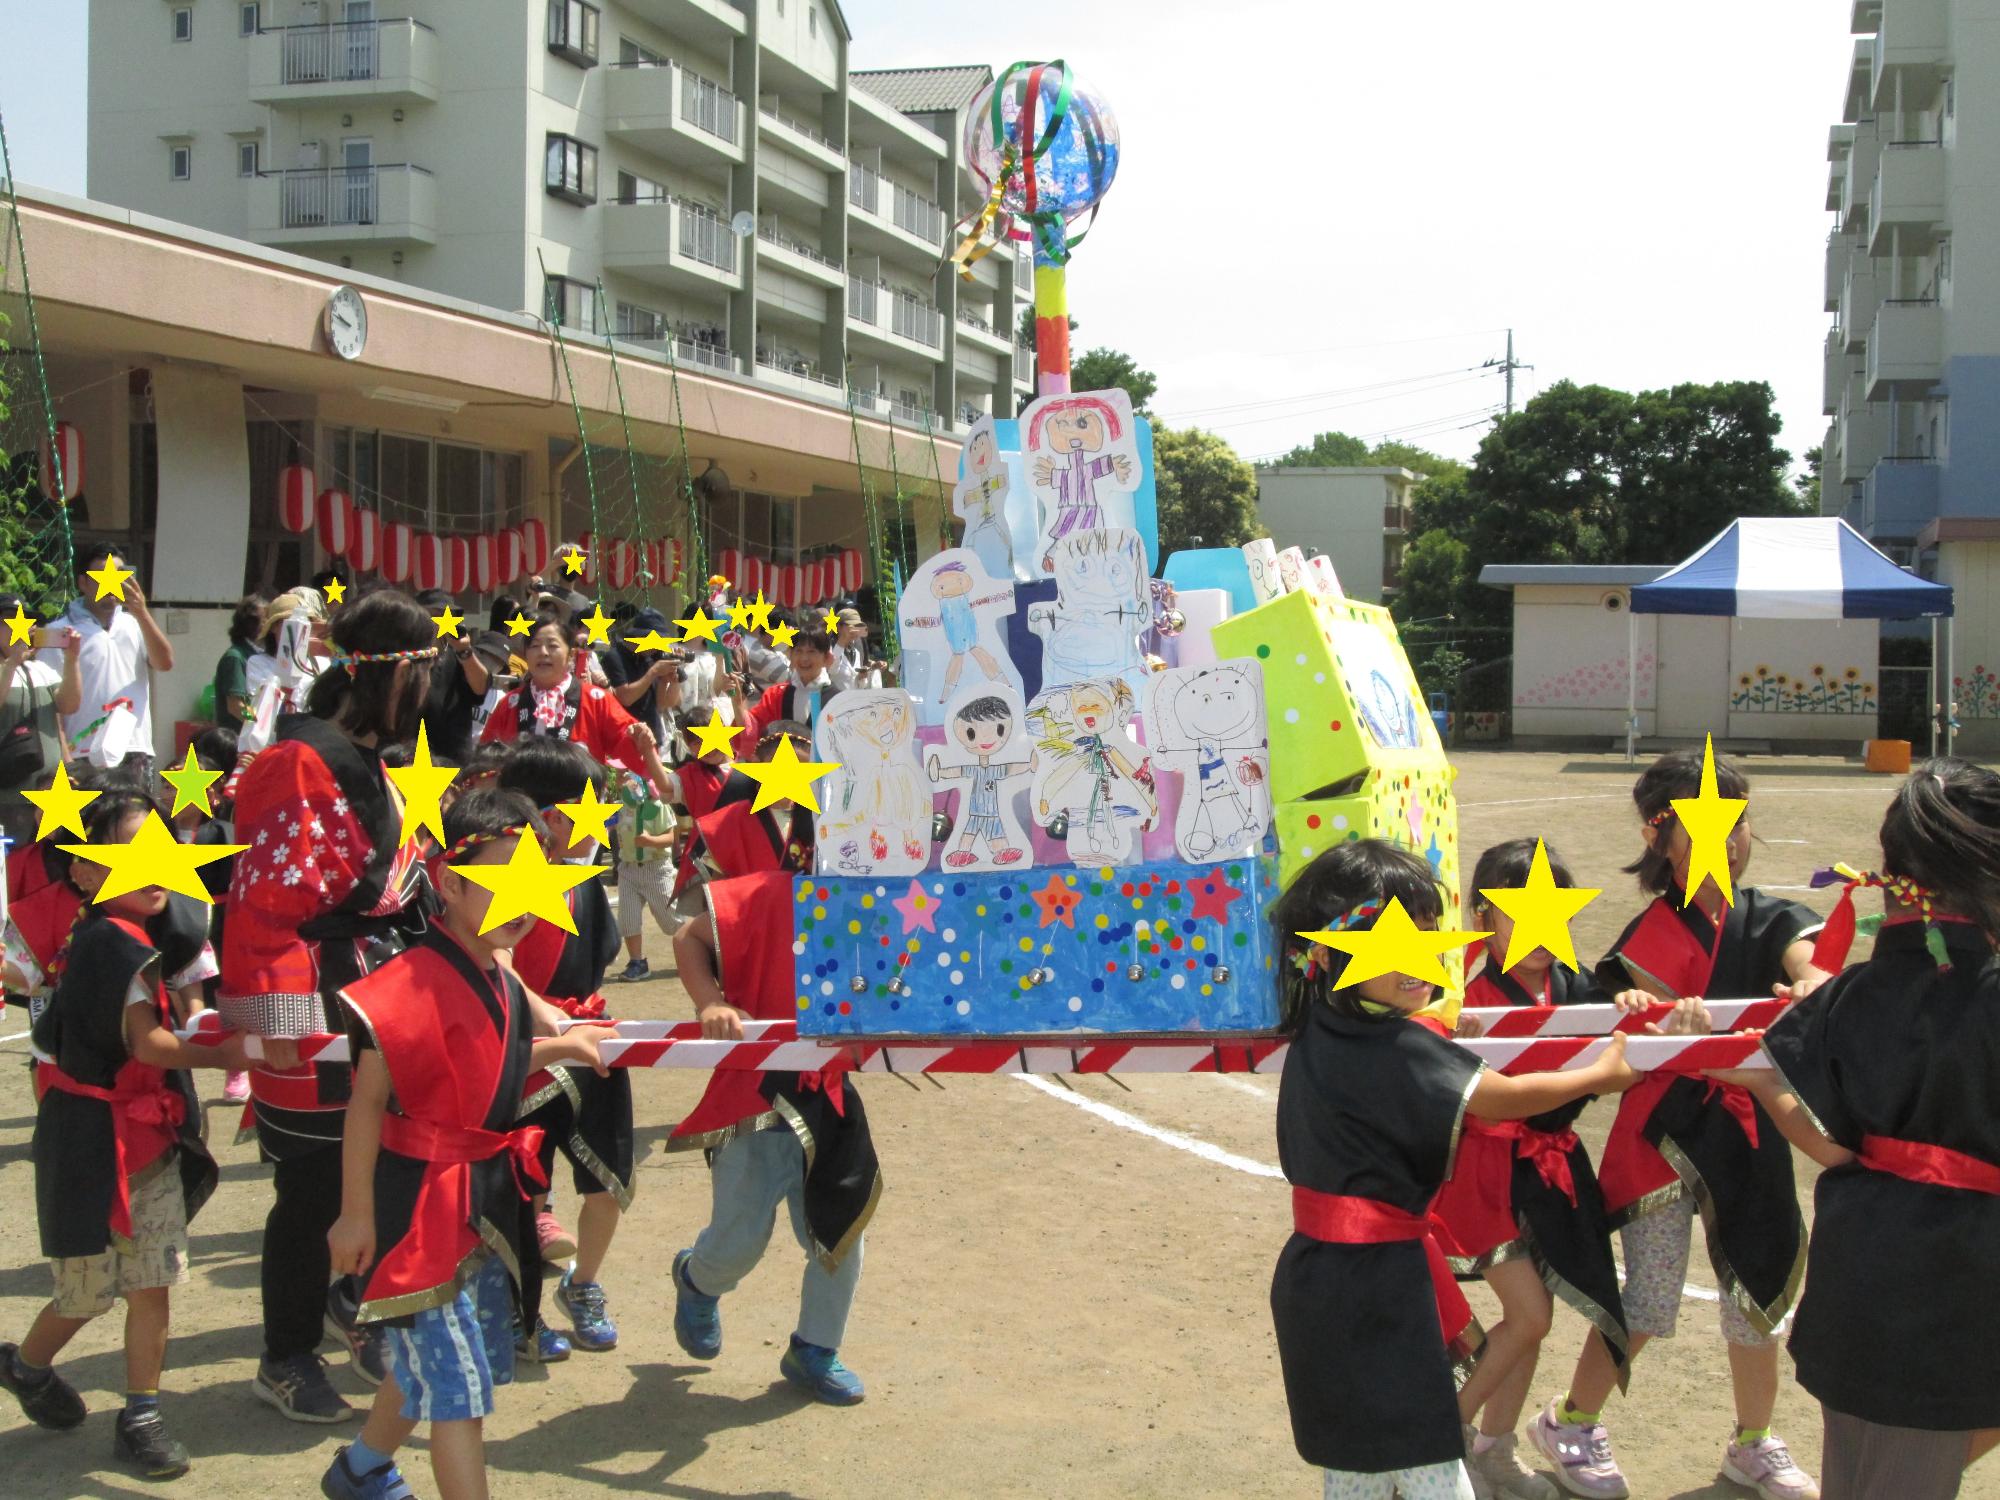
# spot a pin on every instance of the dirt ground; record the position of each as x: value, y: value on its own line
x: 1054, y: 1303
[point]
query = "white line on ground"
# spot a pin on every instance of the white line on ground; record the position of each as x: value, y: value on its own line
x: 17, y: 1036
x: 1242, y: 1085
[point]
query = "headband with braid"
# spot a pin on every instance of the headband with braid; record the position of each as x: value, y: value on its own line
x: 352, y: 659
x: 473, y: 842
x: 1830, y: 951
x: 1309, y: 959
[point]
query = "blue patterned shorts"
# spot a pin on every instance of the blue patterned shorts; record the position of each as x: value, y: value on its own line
x: 449, y: 1360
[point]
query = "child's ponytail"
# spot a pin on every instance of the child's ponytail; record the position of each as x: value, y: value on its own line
x: 1942, y: 831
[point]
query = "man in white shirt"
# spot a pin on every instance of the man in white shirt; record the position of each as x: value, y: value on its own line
x: 120, y: 643
x: 851, y: 665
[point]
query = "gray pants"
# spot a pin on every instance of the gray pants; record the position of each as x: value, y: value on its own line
x: 750, y: 1176
x: 1866, y: 1460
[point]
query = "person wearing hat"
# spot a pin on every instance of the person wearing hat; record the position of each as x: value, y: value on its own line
x: 851, y: 666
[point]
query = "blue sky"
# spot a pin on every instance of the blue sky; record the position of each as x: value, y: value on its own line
x: 1328, y: 213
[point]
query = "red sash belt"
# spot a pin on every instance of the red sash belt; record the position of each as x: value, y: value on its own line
x: 1548, y: 1149
x: 456, y: 1145
x: 145, y: 1118
x: 1739, y: 1103
x: 1338, y: 1219
x: 1940, y: 1166
x: 590, y: 1009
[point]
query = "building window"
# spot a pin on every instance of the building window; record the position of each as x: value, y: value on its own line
x: 632, y: 55
x: 184, y: 23
x: 632, y: 188
x: 246, y: 158
x: 781, y: 7
x: 573, y: 31
x: 572, y: 304
x: 180, y: 163
x: 812, y: 19
x: 640, y: 322
x: 250, y: 19
x: 572, y: 169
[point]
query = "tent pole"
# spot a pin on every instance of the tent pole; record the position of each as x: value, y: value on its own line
x: 1631, y: 683
x: 1934, y: 684
x: 1950, y: 682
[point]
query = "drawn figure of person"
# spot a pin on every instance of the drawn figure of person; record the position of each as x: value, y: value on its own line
x: 951, y: 588
x: 1103, y: 602
x: 984, y: 726
x: 1210, y: 719
x: 979, y: 500
x: 1077, y: 428
x: 877, y: 817
x: 1086, y: 771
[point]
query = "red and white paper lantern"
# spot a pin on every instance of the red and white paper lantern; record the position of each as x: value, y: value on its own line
x: 829, y: 579
x: 458, y: 564
x: 433, y: 569
x: 485, y: 563
x: 336, y: 521
x: 295, y: 498
x: 366, y: 551
x: 535, y: 547
x: 621, y: 564
x: 791, y: 586
x: 510, y: 556
x: 399, y: 552
x: 674, y: 556
x: 729, y: 563
x: 68, y: 449
x: 850, y: 569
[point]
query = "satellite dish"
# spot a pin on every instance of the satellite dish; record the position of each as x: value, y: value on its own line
x: 743, y: 225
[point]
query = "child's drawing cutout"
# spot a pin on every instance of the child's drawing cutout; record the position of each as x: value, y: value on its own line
x: 951, y: 615
x: 1103, y: 605
x: 980, y: 500
x: 875, y: 816
x: 1323, y: 578
x: 1207, y: 723
x: 985, y: 751
x: 1091, y: 778
x: 1262, y: 555
x: 1082, y: 451
x: 1292, y: 570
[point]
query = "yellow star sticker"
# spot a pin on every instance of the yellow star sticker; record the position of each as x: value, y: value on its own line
x: 760, y: 613
x: 573, y: 563
x: 528, y: 886
x: 784, y: 777
x: 739, y: 614
x: 335, y: 591
x: 1708, y: 820
x: 1393, y: 944
x: 698, y: 628
x: 191, y: 784
x: 652, y: 640
x: 588, y: 817
x: 423, y: 786
x: 520, y: 625
x: 831, y: 620
x: 599, y: 624
x: 20, y: 627
x: 1542, y: 912
x: 62, y: 806
x: 154, y: 857
x: 715, y: 735
x: 110, y: 580
x: 783, y: 636
x: 447, y: 623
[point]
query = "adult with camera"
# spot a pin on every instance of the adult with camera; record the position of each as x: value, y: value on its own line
x: 34, y: 698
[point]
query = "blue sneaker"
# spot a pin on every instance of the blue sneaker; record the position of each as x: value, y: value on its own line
x: 591, y: 1326
x: 547, y: 1347
x: 820, y: 1371
x: 697, y: 1318
x: 340, y: 1482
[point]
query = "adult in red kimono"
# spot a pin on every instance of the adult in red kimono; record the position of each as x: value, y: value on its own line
x: 556, y: 700
x: 323, y: 894
x: 1682, y: 1145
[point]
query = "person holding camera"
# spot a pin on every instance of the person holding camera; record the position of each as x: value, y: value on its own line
x: 34, y: 698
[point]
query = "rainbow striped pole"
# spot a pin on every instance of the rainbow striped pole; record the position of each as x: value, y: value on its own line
x: 1051, y: 324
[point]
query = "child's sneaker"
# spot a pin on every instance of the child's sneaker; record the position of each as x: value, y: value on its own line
x: 820, y: 1371
x: 236, y: 1087
x: 1581, y: 1453
x: 50, y: 1402
x: 557, y: 1244
x: 635, y: 971
x: 1499, y: 1471
x: 547, y: 1347
x: 298, y: 1387
x: 367, y: 1352
x: 340, y: 1482
x: 697, y: 1317
x: 1765, y: 1465
x: 591, y: 1326
x: 141, y: 1440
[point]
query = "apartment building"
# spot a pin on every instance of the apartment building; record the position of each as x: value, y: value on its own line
x: 1912, y: 361
x: 1359, y: 517
x: 714, y: 167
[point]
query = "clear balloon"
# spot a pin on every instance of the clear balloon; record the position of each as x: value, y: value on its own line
x: 1071, y: 174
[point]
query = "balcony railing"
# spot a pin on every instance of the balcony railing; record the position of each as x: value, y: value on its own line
x: 789, y: 362
x: 864, y: 187
x: 334, y: 51
x: 1024, y: 364
x: 973, y: 320
x: 916, y: 320
x: 770, y: 234
x: 707, y: 105
x: 861, y: 299
x: 314, y: 197
x: 791, y: 124
x: 916, y: 214
x: 705, y: 236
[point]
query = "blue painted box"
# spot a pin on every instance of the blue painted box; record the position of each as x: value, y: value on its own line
x: 1149, y: 948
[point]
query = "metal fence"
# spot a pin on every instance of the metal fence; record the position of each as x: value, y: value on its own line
x: 337, y: 52
x: 913, y: 319
x: 706, y: 237
x: 312, y: 197
x: 708, y: 106
x: 916, y: 214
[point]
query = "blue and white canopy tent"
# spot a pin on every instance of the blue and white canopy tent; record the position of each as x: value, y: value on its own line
x: 1772, y: 568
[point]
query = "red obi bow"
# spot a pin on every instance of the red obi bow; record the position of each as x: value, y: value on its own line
x: 155, y: 1108
x: 1739, y: 1103
x: 1548, y: 1149
x: 828, y: 1080
x: 459, y: 1144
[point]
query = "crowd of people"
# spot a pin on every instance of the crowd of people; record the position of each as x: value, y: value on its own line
x: 413, y: 1196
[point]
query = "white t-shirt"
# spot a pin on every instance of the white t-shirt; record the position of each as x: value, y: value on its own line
x: 110, y: 664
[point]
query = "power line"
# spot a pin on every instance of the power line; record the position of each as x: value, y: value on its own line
x: 1456, y: 379
x: 1507, y: 367
x: 1372, y: 385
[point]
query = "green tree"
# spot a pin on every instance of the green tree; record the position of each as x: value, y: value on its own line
x: 25, y: 565
x: 1386, y: 455
x: 1108, y: 369
x: 1437, y: 575
x: 1327, y: 450
x: 1205, y: 491
x: 1807, y: 484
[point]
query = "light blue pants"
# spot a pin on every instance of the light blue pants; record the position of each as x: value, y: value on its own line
x: 750, y: 1176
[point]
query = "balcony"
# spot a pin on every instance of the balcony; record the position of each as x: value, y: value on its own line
x: 888, y: 215
x: 345, y: 62
x: 1905, y: 350
x: 1901, y: 497
x: 674, y: 112
x: 1838, y: 365
x: 1910, y: 53
x: 894, y: 318
x: 800, y: 137
x: 1909, y: 197
x: 798, y: 257
x: 978, y: 331
x: 1395, y: 520
x: 1857, y: 100
x: 1859, y: 181
x: 385, y: 205
x: 706, y: 353
x: 1864, y: 438
x: 1829, y: 470
x: 1860, y: 300
x: 1839, y: 254
x: 714, y: 23
x: 671, y: 243
x: 1024, y: 365
x: 787, y: 367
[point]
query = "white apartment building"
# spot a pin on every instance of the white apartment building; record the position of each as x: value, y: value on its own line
x: 1912, y: 379
x: 714, y: 166
x: 1359, y: 517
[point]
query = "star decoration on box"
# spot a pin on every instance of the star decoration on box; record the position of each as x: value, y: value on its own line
x: 447, y: 623
x: 520, y: 625
x: 1709, y: 819
x: 1542, y: 912
x: 573, y: 563
x: 1393, y: 944
x: 831, y: 620
x: 20, y: 627
x: 918, y: 908
x: 62, y: 805
x: 783, y: 636
x: 154, y: 857
x: 760, y: 613
x: 715, y: 735
x: 335, y: 591
x: 598, y: 624
x: 1212, y: 895
x: 528, y: 886
x: 191, y: 783
x: 739, y: 614
x: 111, y: 579
x: 784, y: 777
x: 652, y: 640
x: 1058, y: 903
x: 698, y: 627
x: 423, y: 787
x: 588, y: 817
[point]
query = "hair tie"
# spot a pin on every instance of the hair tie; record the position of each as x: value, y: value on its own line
x: 1837, y: 936
x: 1310, y: 958
x: 473, y: 842
x: 1661, y: 818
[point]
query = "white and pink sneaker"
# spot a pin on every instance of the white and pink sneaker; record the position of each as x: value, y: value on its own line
x: 1765, y: 1465
x: 1581, y: 1454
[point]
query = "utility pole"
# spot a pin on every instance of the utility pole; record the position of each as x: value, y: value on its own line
x: 1507, y: 367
